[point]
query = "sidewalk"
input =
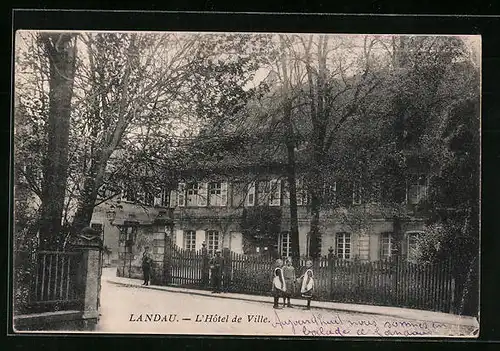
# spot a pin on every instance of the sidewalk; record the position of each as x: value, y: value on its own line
x: 403, y: 313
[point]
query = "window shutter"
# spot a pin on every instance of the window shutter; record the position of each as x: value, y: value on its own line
x: 202, y: 193
x: 157, y: 198
x: 285, y: 193
x: 275, y: 192
x: 181, y: 195
x: 223, y: 193
x: 157, y: 201
x: 299, y: 191
x: 173, y: 198
x: 251, y: 194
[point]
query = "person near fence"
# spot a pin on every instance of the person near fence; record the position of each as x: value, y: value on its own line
x: 289, y: 276
x: 216, y: 272
x: 279, y: 287
x: 306, y: 282
x: 147, y: 262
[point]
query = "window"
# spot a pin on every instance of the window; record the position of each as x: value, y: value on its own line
x: 189, y: 240
x: 217, y: 192
x: 214, y: 192
x: 416, y: 190
x: 130, y: 194
x: 330, y: 193
x: 343, y: 244
x: 302, y: 194
x: 128, y: 234
x: 269, y: 192
x: 195, y: 194
x: 262, y: 192
x: 148, y: 199
x: 192, y: 194
x: 213, y: 241
x: 285, y: 244
x: 387, y: 246
x: 274, y: 192
x: 181, y: 195
x: 356, y: 192
x: 163, y: 198
x: 250, y: 201
x: 413, y: 250
x: 97, y: 227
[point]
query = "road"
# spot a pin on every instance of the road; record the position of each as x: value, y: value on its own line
x: 126, y: 309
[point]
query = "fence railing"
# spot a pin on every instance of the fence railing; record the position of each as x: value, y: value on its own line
x: 392, y: 282
x: 51, y: 281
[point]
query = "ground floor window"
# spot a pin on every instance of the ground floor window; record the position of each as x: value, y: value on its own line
x: 213, y: 241
x: 387, y: 246
x: 413, y: 244
x: 189, y: 240
x: 285, y: 244
x: 343, y: 245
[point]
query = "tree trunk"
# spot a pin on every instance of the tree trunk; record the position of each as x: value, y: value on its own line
x: 290, y: 146
x: 294, y: 224
x: 61, y: 52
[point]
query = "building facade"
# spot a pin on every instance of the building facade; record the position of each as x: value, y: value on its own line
x: 250, y: 214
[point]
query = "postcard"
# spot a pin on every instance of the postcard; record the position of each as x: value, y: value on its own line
x: 263, y: 184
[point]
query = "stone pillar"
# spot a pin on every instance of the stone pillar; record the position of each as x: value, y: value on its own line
x: 89, y: 242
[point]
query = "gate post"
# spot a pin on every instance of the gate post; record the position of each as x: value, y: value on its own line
x: 330, y: 272
x: 89, y: 243
x: 205, y: 266
x: 226, y: 269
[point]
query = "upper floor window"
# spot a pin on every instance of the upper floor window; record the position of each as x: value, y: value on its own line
x: 302, y: 193
x: 162, y: 199
x: 357, y: 192
x: 330, y: 192
x: 416, y: 189
x: 264, y: 192
x: 201, y: 194
x: 192, y: 190
x: 217, y: 192
x: 148, y: 199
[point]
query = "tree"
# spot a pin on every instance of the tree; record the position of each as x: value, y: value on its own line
x: 60, y: 49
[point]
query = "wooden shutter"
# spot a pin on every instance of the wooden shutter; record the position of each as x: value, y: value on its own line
x: 275, y: 192
x: 223, y: 193
x: 157, y: 198
x: 251, y: 194
x: 202, y: 194
x: 299, y: 184
x: 181, y: 195
x: 173, y: 198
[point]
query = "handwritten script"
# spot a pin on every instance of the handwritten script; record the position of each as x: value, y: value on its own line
x: 318, y: 324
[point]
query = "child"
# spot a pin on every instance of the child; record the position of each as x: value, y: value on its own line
x: 279, y: 287
x: 289, y: 275
x: 306, y: 282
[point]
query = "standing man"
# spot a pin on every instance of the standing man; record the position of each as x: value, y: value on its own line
x: 216, y: 267
x: 289, y: 276
x: 146, y: 265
